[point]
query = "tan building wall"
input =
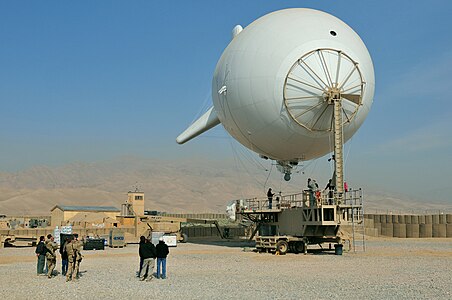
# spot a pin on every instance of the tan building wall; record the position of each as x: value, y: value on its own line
x: 126, y: 221
x: 111, y: 214
x: 57, y: 216
x: 60, y: 217
x: 137, y: 201
x: 71, y: 214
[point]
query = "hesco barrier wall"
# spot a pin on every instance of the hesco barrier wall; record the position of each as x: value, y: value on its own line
x: 37, y: 232
x: 198, y: 216
x: 410, y: 226
x: 192, y: 231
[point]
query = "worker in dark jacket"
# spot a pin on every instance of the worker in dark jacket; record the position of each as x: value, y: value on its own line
x: 64, y: 258
x: 148, y: 253
x: 162, y: 253
x: 41, y: 251
x: 142, y: 242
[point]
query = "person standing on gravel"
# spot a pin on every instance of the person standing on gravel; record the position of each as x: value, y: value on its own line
x: 142, y: 242
x: 51, y: 255
x: 162, y: 253
x: 64, y: 258
x: 73, y: 249
x: 148, y: 253
x: 41, y: 251
x: 78, y: 245
x: 70, y: 257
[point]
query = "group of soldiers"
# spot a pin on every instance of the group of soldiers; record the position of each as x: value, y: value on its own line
x: 71, y: 256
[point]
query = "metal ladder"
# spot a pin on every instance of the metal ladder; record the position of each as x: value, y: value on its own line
x: 358, y: 226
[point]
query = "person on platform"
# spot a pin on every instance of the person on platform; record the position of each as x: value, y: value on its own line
x: 270, y: 197
x: 312, y: 187
x: 162, y: 253
x: 41, y: 251
x: 330, y: 188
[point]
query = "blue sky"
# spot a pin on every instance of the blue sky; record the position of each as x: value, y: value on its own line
x: 93, y: 80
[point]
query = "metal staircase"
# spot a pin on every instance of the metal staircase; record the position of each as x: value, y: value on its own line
x: 357, y: 221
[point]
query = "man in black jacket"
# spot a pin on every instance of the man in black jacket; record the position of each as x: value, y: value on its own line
x: 162, y: 253
x: 142, y: 242
x: 148, y: 254
x: 41, y: 251
x: 64, y: 257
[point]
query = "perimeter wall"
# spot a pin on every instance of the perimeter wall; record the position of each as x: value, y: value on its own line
x: 409, y: 226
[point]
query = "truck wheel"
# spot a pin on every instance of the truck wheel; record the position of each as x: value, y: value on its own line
x: 184, y: 238
x: 299, y: 247
x: 282, y: 247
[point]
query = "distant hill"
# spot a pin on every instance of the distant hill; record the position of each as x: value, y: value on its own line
x: 171, y: 186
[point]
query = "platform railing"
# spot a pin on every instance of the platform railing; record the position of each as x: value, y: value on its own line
x: 353, y: 197
x: 303, y: 200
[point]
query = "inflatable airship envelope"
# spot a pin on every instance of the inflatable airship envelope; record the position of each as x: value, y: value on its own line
x: 273, y: 86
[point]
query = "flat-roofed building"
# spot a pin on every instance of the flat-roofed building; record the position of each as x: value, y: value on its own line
x: 62, y: 213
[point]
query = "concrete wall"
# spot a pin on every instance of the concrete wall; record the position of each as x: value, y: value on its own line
x: 410, y: 226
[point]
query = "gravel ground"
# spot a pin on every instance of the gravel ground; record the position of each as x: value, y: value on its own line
x: 389, y: 269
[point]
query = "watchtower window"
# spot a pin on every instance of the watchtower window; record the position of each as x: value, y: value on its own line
x: 138, y: 197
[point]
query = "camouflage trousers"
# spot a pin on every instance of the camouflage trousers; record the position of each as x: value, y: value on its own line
x: 72, y: 270
x: 51, y: 263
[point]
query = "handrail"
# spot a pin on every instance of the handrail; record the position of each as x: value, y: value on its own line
x: 351, y: 197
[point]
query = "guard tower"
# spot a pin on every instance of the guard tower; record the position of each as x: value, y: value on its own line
x: 134, y: 205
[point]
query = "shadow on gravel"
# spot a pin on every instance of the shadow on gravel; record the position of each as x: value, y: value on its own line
x: 240, y: 243
x: 235, y: 243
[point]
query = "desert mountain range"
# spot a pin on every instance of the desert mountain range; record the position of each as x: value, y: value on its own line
x: 190, y: 186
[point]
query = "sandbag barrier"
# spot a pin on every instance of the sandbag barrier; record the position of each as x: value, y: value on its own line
x: 411, y: 226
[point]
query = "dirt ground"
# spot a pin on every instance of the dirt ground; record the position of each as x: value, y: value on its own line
x: 215, y: 269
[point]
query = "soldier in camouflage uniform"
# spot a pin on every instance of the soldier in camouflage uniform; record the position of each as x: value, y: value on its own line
x: 73, y: 249
x: 51, y: 254
x: 78, y: 258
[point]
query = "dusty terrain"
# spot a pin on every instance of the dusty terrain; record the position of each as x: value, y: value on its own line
x: 183, y: 186
x: 389, y: 269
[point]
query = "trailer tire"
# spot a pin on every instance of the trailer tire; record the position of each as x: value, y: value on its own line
x: 282, y: 247
x: 298, y: 247
x: 184, y: 238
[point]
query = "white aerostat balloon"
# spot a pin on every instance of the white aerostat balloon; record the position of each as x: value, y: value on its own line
x: 272, y: 82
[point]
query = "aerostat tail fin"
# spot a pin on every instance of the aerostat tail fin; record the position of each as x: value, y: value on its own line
x: 204, y: 123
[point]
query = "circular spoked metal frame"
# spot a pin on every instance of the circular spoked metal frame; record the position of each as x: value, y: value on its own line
x: 315, y: 80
